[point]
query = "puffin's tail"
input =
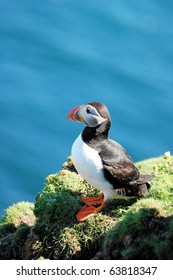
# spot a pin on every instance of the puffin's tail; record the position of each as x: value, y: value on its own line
x: 138, y: 188
x: 143, y: 179
x: 141, y: 186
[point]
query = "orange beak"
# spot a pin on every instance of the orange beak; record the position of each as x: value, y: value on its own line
x: 74, y: 114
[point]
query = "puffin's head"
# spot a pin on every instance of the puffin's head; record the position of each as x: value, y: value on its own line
x: 92, y: 114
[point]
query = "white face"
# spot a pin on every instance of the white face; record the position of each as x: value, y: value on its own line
x: 90, y: 115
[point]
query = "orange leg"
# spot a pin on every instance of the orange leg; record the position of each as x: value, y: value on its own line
x: 92, y: 200
x: 88, y: 210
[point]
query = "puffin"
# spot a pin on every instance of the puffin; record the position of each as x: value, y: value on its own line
x: 102, y: 162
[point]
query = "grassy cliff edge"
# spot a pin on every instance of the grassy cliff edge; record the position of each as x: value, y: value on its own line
x: 128, y: 228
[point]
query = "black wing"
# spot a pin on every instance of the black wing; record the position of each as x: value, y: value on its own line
x: 118, y: 167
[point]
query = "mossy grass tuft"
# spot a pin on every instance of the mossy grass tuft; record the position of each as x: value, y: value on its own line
x: 21, y: 212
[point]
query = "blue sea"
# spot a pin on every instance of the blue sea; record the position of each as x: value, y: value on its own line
x: 57, y: 54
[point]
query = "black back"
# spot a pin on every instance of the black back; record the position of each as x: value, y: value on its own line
x: 118, y: 168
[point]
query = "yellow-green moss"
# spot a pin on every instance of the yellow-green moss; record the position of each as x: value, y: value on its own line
x: 55, y: 210
x: 16, y: 214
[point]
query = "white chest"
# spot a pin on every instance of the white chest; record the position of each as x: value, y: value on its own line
x: 89, y: 165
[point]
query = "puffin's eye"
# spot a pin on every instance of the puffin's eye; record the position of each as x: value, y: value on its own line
x: 88, y: 110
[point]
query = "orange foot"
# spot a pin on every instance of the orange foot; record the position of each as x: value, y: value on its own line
x: 87, y: 211
x: 92, y: 200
